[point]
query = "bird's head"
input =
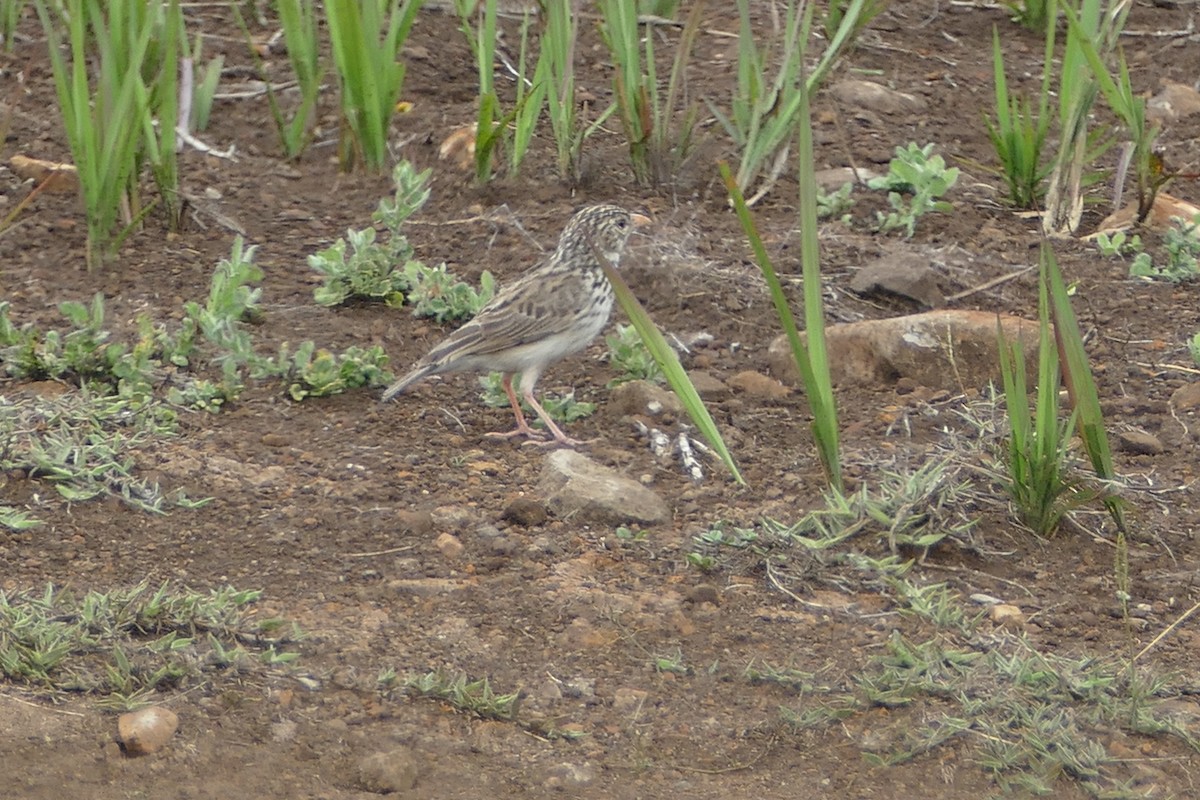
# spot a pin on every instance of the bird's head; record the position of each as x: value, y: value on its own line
x: 604, y: 227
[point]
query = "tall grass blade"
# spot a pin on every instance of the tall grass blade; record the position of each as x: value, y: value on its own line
x: 676, y: 375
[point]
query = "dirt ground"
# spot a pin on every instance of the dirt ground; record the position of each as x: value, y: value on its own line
x: 332, y: 506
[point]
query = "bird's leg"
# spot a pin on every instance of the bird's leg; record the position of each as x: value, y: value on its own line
x: 522, y: 428
x: 555, y: 431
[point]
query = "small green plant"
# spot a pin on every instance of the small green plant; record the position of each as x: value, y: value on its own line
x: 920, y: 177
x: 1182, y: 244
x: 561, y: 408
x: 628, y: 355
x: 373, y: 270
x: 556, y: 70
x: 320, y: 373
x: 366, y: 38
x: 497, y: 132
x: 1119, y: 244
x: 435, y: 292
x: 672, y: 663
x: 475, y: 697
x: 836, y: 204
x: 17, y: 520
x: 1194, y: 348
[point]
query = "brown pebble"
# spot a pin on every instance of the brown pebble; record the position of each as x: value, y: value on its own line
x: 525, y: 511
x: 704, y: 593
x: 275, y: 440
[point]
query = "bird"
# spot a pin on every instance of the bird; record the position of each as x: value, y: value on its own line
x: 552, y: 311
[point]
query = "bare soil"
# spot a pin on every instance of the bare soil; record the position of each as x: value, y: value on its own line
x: 342, y: 538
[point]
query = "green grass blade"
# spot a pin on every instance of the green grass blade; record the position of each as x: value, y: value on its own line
x: 674, y: 372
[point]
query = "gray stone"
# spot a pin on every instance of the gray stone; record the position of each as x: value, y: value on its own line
x: 906, y: 275
x: 575, y: 486
x: 1140, y: 443
x: 871, y: 96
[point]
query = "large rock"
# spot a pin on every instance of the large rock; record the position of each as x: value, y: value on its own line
x: 944, y: 349
x: 577, y: 487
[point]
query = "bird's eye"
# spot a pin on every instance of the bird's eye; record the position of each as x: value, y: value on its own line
x: 622, y: 223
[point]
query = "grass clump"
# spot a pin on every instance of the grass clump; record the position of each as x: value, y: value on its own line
x: 126, y: 645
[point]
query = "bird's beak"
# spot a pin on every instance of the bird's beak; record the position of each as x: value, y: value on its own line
x: 639, y: 220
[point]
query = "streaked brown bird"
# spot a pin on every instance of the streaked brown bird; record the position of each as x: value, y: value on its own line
x: 548, y: 313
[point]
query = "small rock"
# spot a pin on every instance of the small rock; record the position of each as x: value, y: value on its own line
x: 1140, y: 443
x: 906, y: 275
x: 1186, y: 397
x: 284, y: 731
x: 414, y: 522
x: 581, y: 688
x: 1174, y: 101
x: 634, y: 398
x: 708, y: 386
x: 575, y: 486
x: 755, y: 384
x: 449, y: 546
x: 834, y: 178
x: 275, y: 440
x: 1007, y: 616
x: 626, y: 700
x: 525, y: 511
x: 569, y: 776
x: 387, y: 773
x: 146, y: 730
x: 871, y: 96
x: 453, y: 518
x: 704, y: 593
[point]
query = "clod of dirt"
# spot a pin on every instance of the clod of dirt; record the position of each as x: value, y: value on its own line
x: 709, y: 387
x: 755, y: 384
x: 449, y: 546
x: 388, y: 773
x: 1007, y: 616
x: 577, y: 487
x: 525, y: 512
x: 1186, y: 397
x: 147, y: 730
x: 704, y: 593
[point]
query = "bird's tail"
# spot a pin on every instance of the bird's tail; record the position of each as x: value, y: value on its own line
x: 408, y: 380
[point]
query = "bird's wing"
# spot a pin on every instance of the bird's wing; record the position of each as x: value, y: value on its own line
x: 540, y: 304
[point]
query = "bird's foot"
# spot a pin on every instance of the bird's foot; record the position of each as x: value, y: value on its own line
x: 565, y: 441
x: 520, y: 430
